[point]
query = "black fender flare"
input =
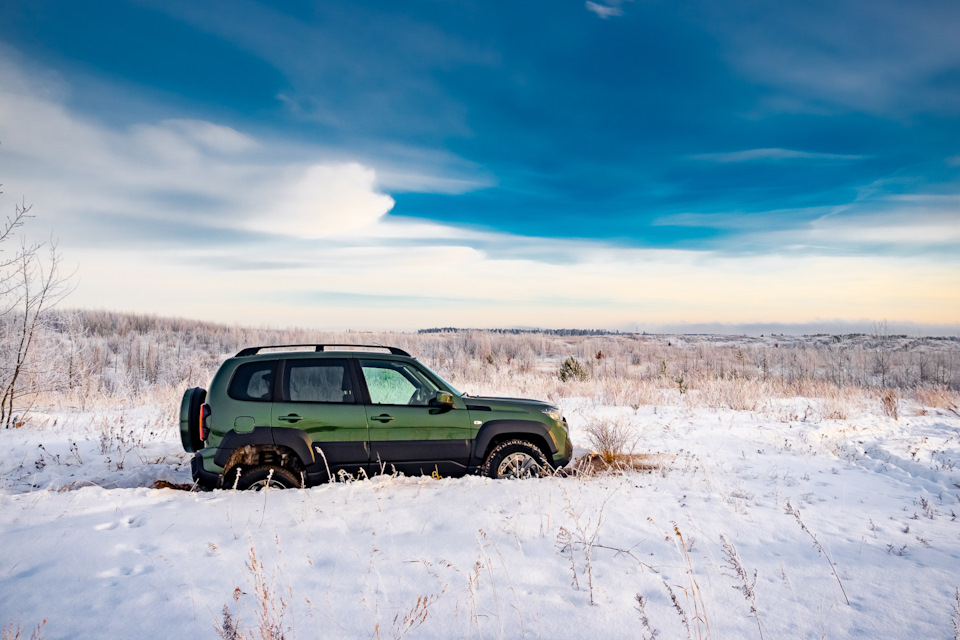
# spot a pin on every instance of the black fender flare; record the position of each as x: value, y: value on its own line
x: 518, y: 428
x: 297, y: 441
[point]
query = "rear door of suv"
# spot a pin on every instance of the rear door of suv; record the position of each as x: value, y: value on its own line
x: 319, y: 396
x: 407, y: 432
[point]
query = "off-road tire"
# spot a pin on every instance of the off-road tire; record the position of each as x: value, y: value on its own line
x: 516, y: 459
x: 257, y: 478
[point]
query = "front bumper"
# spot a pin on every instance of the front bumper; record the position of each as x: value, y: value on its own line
x: 204, y: 479
x: 562, y: 458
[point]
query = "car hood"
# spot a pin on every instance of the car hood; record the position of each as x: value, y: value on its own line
x: 522, y: 404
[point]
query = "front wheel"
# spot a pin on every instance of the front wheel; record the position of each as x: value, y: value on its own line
x: 516, y: 459
x: 267, y: 477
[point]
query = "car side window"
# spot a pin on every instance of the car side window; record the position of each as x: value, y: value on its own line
x: 318, y: 381
x: 396, y: 383
x: 253, y: 381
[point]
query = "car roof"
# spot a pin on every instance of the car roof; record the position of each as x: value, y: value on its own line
x: 315, y: 350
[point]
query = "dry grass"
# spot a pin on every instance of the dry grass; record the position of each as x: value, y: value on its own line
x: 11, y: 632
x: 701, y: 624
x: 747, y: 586
x: 955, y: 617
x: 839, y: 403
x: 791, y: 510
x: 938, y: 397
x: 269, y: 608
x: 890, y: 402
x: 739, y: 394
x: 406, y: 621
x: 593, y: 464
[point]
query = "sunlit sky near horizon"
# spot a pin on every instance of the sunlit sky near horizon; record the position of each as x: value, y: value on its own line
x: 636, y: 164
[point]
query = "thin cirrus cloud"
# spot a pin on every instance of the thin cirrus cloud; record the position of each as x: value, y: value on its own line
x: 353, y: 68
x: 886, y: 59
x: 752, y: 155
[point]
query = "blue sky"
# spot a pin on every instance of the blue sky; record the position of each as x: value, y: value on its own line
x: 557, y: 163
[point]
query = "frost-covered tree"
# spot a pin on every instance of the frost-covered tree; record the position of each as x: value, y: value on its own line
x: 31, y: 281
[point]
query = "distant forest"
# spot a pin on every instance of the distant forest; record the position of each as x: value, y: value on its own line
x: 519, y: 331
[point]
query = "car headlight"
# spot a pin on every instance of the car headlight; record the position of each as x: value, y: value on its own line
x: 554, y: 413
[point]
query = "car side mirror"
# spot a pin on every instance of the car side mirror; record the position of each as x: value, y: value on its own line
x: 443, y: 399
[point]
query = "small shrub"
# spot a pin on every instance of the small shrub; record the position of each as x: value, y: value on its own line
x: 610, y: 439
x: 571, y: 369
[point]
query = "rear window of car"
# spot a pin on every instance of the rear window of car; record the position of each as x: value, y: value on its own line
x: 253, y: 381
x: 318, y: 381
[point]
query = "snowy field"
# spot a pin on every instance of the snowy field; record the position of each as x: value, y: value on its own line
x: 757, y: 524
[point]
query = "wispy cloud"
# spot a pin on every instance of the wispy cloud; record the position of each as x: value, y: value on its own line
x: 605, y: 11
x: 354, y: 68
x: 892, y: 61
x: 907, y: 227
x: 754, y: 155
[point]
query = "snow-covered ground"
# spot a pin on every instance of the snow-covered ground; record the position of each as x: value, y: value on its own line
x: 757, y: 524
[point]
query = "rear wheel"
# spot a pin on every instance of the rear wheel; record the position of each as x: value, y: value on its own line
x: 267, y: 476
x: 516, y: 459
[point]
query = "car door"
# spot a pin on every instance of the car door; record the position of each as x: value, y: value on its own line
x: 318, y: 396
x: 407, y: 432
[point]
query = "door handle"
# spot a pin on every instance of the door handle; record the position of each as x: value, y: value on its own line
x: 382, y: 418
x: 293, y: 417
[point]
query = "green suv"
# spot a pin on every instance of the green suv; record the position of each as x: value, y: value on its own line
x: 280, y: 417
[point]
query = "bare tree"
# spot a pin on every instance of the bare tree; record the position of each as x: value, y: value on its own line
x: 881, y: 355
x: 31, y: 281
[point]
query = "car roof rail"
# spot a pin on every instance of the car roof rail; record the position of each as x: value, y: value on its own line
x: 252, y: 351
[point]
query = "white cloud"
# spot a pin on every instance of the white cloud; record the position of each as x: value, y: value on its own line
x: 603, y: 10
x: 324, y: 200
x: 75, y: 168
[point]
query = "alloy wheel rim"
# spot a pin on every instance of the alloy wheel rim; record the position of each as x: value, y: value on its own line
x: 518, y: 465
x: 260, y: 485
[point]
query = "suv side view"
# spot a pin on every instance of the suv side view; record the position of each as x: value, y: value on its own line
x: 284, y: 418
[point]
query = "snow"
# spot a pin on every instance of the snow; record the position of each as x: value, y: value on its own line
x: 89, y: 547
